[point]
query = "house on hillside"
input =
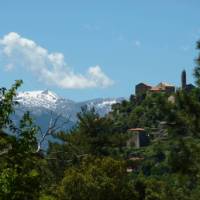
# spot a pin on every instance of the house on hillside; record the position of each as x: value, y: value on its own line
x: 138, y: 138
x: 163, y: 87
x: 142, y: 88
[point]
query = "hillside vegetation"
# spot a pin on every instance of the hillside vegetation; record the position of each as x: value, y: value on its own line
x: 93, y: 161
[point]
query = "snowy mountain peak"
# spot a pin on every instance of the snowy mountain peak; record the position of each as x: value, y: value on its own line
x: 50, y: 94
x: 46, y: 94
x: 39, y: 98
x: 42, y: 101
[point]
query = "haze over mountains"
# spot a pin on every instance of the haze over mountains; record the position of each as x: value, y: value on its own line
x: 44, y: 104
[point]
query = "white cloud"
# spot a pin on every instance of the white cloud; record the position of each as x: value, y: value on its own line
x: 50, y: 68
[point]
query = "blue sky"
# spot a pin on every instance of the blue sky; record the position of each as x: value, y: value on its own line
x: 97, y: 48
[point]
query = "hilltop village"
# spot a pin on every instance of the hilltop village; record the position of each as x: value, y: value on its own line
x: 138, y: 152
x: 143, y: 88
x: 139, y: 135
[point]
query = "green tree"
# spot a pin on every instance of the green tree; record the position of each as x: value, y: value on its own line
x: 97, y: 179
x: 21, y: 167
x: 197, y: 68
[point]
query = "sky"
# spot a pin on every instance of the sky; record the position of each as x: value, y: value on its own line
x: 85, y: 49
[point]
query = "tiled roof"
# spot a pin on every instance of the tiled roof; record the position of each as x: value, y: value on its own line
x: 155, y: 89
x: 144, y: 84
x: 164, y: 84
x: 136, y: 129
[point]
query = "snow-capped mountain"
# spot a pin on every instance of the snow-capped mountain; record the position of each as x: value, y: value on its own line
x: 44, y: 99
x: 43, y: 104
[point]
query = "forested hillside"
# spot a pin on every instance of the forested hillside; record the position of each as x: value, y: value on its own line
x: 93, y: 161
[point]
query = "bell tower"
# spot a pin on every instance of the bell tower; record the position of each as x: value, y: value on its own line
x: 183, y: 79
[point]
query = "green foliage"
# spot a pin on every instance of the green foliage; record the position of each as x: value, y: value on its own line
x: 97, y: 179
x: 92, y: 136
x: 20, y: 166
x: 197, y: 68
x: 146, y: 113
x: 7, y: 105
x: 26, y: 135
x: 95, y: 131
x: 92, y: 161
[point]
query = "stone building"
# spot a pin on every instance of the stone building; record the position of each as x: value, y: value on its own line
x: 138, y: 138
x: 163, y: 87
x: 184, y: 85
x: 143, y: 88
x: 183, y: 79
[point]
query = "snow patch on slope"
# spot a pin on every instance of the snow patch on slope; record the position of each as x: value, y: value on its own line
x: 40, y: 102
x: 40, y: 98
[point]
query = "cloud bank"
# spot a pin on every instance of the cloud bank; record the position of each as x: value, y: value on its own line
x: 50, y: 68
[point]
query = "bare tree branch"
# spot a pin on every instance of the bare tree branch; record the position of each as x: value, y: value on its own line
x: 52, y: 129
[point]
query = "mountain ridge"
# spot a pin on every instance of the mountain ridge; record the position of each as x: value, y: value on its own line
x: 42, y: 104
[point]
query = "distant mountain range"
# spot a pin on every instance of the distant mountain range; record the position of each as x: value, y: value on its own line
x: 46, y: 104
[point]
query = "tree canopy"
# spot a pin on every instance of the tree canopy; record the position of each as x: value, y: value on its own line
x: 92, y: 161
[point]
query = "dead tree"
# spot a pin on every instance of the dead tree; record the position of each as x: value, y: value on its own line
x: 53, y: 127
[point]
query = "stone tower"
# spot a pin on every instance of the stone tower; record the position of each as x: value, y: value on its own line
x: 183, y: 79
